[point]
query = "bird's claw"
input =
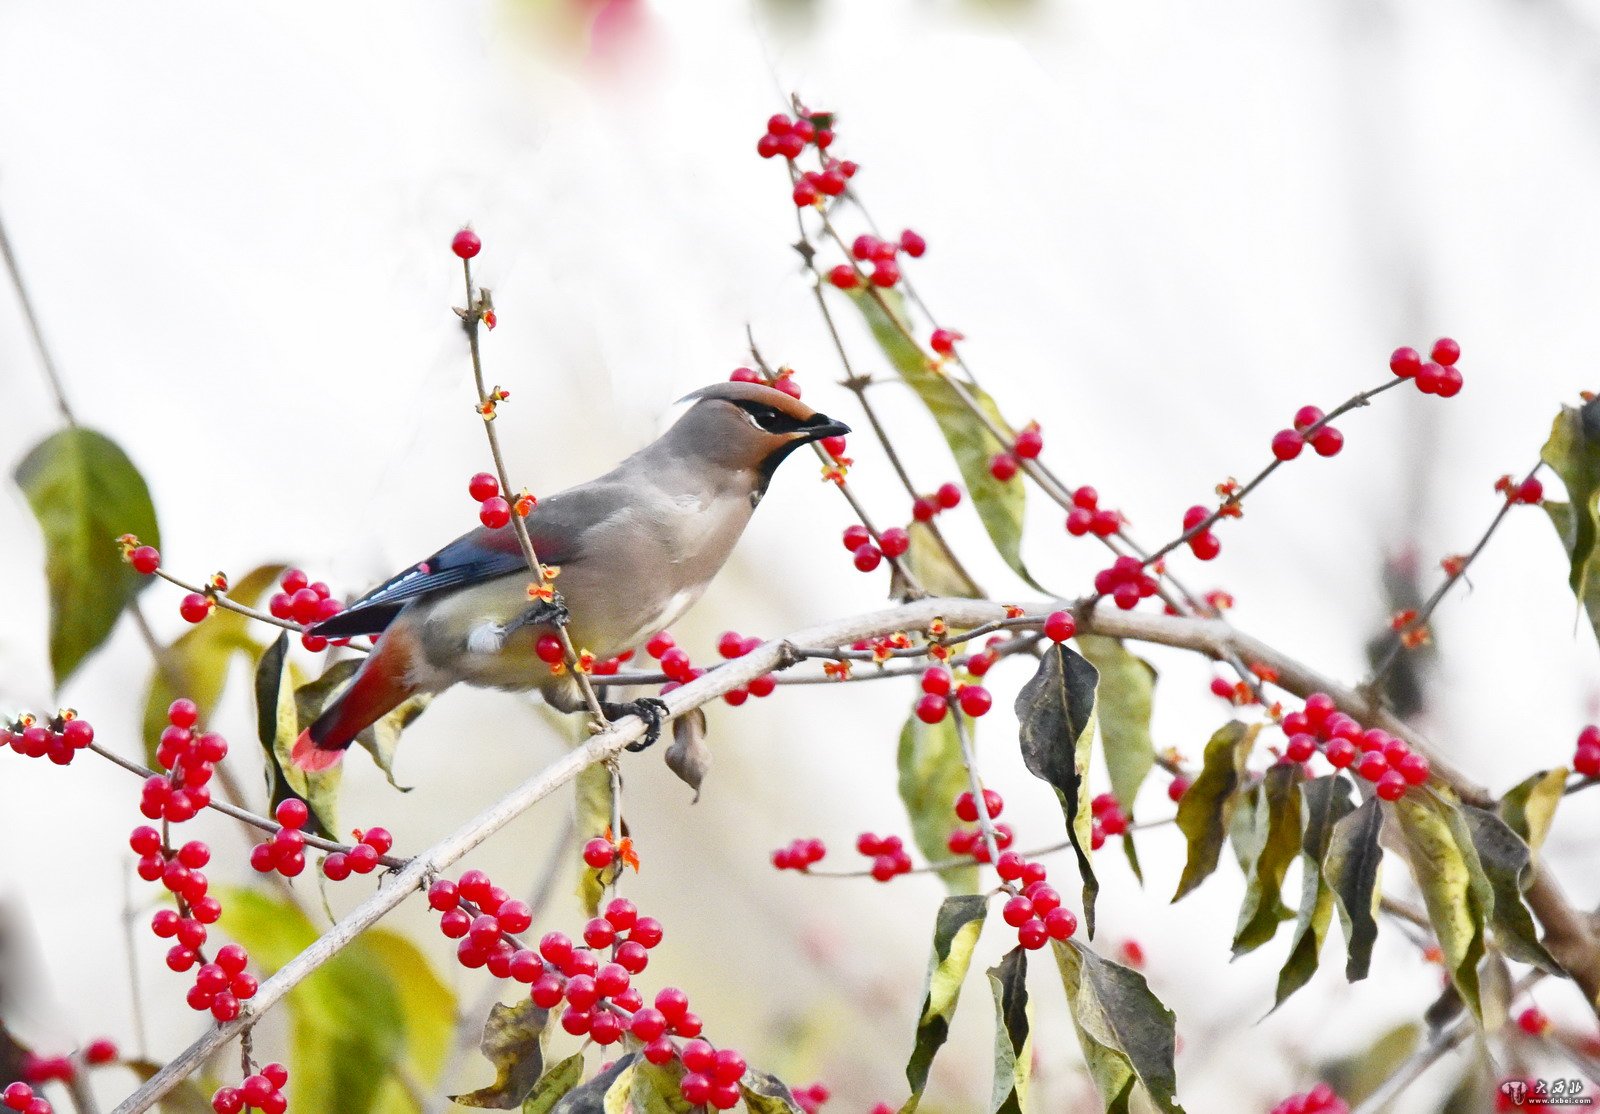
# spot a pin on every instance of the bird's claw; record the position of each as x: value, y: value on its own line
x: 651, y: 709
x: 544, y: 613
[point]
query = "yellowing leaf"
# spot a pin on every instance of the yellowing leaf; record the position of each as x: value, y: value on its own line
x: 513, y: 1041
x: 1529, y: 807
x: 1456, y: 907
x: 955, y: 934
x: 85, y: 493
x: 1125, y: 1031
x: 1324, y: 801
x: 1123, y: 702
x: 1274, y: 842
x: 1207, y: 806
x: 1013, y: 1045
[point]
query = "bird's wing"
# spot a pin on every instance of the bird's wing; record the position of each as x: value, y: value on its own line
x: 557, y: 527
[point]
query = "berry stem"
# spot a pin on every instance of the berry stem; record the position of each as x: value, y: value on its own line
x: 985, y: 821
x: 223, y: 600
x: 1420, y: 622
x: 471, y: 317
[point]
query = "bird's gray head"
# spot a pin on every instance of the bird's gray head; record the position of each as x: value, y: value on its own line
x: 748, y: 427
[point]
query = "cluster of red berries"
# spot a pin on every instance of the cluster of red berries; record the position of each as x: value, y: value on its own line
x: 893, y: 543
x: 20, y: 1097
x: 1088, y: 517
x: 494, y: 509
x: 1109, y: 820
x: 371, y: 845
x: 1034, y: 908
x: 1126, y: 582
x: 801, y: 855
x: 888, y: 855
x: 925, y: 507
x: 1028, y: 445
x: 1319, y: 1100
x: 1530, y: 491
x: 731, y: 644
x: 304, y: 601
x: 881, y: 254
x: 179, y: 871
x: 484, y: 938
x: 970, y: 841
x: 1439, y: 376
x: 784, y: 381
x: 285, y: 851
x: 1205, y: 545
x: 1373, y: 753
x: 832, y: 180
x: 1586, y: 758
x: 680, y: 669
x: 264, y: 1090
x: 1324, y: 439
x: 61, y: 1069
x: 810, y: 1099
x: 221, y: 985
x: 57, y: 740
x: 937, y: 696
x: 190, y: 757
x: 790, y: 138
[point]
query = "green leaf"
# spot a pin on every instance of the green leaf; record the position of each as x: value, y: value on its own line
x: 1357, y: 1076
x: 198, y: 661
x: 1123, y: 701
x: 1324, y: 801
x: 379, y: 740
x: 1274, y: 841
x: 428, y: 1006
x: 932, y: 776
x: 932, y: 566
x: 1573, y: 451
x: 349, y: 1031
x: 513, y: 1040
x: 766, y: 1094
x: 553, y: 1085
x: 1529, y: 807
x: 1008, y: 981
x: 1206, y: 810
x: 590, y: 1098
x: 654, y: 1089
x: 1000, y: 505
x: 278, y: 724
x: 1351, y: 869
x: 1566, y: 525
x: 594, y: 819
x: 1507, y: 866
x: 1457, y: 906
x: 86, y: 493
x: 955, y: 934
x: 1055, y: 714
x: 1125, y: 1031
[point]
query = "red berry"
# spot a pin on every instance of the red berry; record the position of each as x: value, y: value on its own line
x: 894, y: 541
x: 864, y: 246
x: 834, y: 446
x: 779, y: 124
x: 1060, y: 923
x: 923, y: 509
x: 442, y: 895
x: 1306, y: 417
x: 1079, y: 520
x: 931, y: 708
x: 856, y: 536
x: 1327, y: 441
x: 948, y: 495
x: 1446, y: 351
x: 1003, y: 467
x: 1060, y: 626
x: 227, y: 1100
x: 867, y: 557
x: 1205, y: 546
x: 804, y: 194
x: 913, y: 244
x: 598, y: 853
x: 844, y: 277
x: 1430, y: 377
x: 466, y: 245
x: 495, y: 512
x: 1414, y: 768
x: 1529, y: 491
x: 1392, y: 785
x: 1449, y: 383
x: 1176, y: 788
x: 1340, y: 752
x: 647, y: 931
x: 767, y: 146
x: 1033, y: 934
x: 1533, y: 1021
x: 943, y: 341
x: 145, y: 559
x: 1405, y: 362
x: 885, y: 273
x: 672, y: 1002
x: 1300, y: 748
x: 483, y: 486
x: 1287, y: 443
x: 292, y: 813
x: 548, y: 648
x: 974, y: 700
x: 1373, y: 765
x: 194, y: 607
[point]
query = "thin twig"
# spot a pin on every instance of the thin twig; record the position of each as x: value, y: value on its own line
x: 52, y: 376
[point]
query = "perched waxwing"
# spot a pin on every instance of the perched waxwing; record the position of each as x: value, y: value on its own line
x: 636, y: 548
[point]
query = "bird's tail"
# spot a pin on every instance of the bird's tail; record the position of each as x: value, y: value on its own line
x: 380, y: 685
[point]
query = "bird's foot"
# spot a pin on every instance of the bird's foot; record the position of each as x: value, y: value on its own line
x: 648, y: 708
x: 544, y: 613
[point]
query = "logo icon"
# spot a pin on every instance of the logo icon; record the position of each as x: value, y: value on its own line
x: 1514, y: 1089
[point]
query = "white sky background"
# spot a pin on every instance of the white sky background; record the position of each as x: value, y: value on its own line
x: 1163, y: 227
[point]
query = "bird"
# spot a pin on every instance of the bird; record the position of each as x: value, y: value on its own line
x: 636, y: 548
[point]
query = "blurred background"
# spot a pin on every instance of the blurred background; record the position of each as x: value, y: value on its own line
x: 1162, y: 227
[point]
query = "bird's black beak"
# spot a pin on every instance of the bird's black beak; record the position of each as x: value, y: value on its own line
x: 827, y: 427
